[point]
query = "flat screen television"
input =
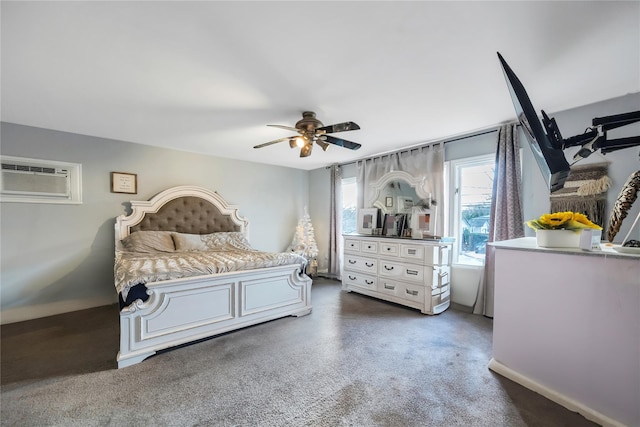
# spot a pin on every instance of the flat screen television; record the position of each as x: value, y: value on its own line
x: 550, y: 158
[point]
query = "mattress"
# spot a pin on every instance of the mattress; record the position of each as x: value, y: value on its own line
x: 132, y: 268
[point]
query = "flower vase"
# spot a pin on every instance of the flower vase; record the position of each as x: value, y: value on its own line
x: 558, y: 238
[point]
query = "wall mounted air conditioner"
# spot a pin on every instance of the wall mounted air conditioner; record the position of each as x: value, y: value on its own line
x: 39, y: 181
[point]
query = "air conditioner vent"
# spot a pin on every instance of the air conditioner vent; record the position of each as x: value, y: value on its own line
x: 27, y: 168
x: 39, y: 181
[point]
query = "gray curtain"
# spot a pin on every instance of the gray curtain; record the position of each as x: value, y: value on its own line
x: 506, y: 220
x: 335, y: 224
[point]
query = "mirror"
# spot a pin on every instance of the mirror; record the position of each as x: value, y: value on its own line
x: 398, y: 192
x: 405, y: 204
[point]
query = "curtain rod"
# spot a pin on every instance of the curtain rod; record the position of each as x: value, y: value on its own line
x: 479, y: 132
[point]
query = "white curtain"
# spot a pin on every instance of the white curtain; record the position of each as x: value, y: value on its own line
x: 335, y: 224
x: 425, y: 163
x: 506, y: 219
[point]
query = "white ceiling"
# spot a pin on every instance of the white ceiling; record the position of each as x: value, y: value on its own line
x: 207, y: 77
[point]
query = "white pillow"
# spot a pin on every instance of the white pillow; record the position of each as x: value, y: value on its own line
x: 188, y: 242
x: 148, y: 241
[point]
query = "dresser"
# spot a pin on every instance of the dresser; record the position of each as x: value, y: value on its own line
x: 413, y: 273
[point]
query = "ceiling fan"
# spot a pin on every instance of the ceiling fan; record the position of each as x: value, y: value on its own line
x: 312, y: 130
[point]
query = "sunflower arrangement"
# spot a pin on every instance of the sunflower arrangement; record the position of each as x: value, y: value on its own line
x: 562, y: 221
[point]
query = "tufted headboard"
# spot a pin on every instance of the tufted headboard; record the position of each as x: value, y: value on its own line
x: 185, y: 209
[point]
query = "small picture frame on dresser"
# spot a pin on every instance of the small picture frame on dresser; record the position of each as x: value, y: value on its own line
x: 367, y: 220
x: 394, y: 225
x: 422, y: 222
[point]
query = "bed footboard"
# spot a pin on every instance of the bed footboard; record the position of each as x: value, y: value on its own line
x: 185, y: 310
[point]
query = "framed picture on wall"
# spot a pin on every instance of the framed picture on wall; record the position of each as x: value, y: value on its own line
x: 388, y: 202
x: 367, y: 220
x: 122, y: 182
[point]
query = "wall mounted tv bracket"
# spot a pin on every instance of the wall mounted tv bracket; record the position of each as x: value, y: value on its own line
x: 595, y: 137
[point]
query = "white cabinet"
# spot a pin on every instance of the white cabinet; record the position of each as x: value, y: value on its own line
x: 566, y: 325
x: 414, y: 273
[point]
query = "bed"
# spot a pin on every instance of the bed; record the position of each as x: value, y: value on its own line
x: 184, y: 270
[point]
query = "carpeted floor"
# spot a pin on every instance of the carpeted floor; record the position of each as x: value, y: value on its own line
x: 354, y: 361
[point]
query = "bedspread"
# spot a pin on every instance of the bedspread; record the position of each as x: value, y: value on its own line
x: 132, y: 268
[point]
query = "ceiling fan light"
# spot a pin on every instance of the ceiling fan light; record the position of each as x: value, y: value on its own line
x: 324, y: 145
x: 293, y: 143
x: 300, y: 142
x: 306, y: 150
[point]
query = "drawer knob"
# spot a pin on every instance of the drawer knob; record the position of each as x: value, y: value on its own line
x: 389, y: 287
x: 368, y: 264
x: 369, y: 282
x: 412, y: 272
x: 352, y: 277
x: 414, y: 293
x: 352, y: 261
x: 388, y: 268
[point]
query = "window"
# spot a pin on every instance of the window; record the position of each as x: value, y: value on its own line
x: 472, y: 184
x: 349, y: 204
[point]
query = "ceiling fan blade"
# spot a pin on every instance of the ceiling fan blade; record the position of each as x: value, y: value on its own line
x: 273, y: 142
x: 342, y: 142
x: 340, y: 127
x: 284, y: 127
x: 305, y: 151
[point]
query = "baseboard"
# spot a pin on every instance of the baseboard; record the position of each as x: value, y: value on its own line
x: 460, y: 307
x: 30, y: 312
x: 553, y: 395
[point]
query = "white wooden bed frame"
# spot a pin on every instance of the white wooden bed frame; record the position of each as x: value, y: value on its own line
x: 185, y: 310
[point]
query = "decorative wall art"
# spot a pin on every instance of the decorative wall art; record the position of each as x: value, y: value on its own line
x: 122, y: 182
x: 585, y: 191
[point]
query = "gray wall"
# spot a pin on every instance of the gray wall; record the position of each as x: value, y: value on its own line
x: 535, y: 193
x: 622, y: 163
x: 59, y: 258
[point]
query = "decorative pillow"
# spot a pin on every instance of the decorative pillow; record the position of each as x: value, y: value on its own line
x: 188, y: 242
x: 148, y: 241
x: 226, y: 241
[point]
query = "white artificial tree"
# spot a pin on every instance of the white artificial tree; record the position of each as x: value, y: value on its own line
x: 304, y: 242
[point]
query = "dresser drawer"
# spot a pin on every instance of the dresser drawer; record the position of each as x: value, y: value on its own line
x: 397, y: 270
x: 389, y: 287
x: 438, y: 255
x: 406, y: 291
x: 440, y: 298
x: 360, y: 280
x: 414, y: 293
x: 369, y: 247
x: 438, y: 276
x: 413, y: 253
x: 438, y: 291
x: 390, y: 249
x: 356, y: 263
x: 352, y: 245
